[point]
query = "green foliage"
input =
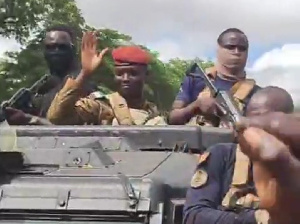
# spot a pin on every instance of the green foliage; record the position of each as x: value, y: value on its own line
x: 26, y: 20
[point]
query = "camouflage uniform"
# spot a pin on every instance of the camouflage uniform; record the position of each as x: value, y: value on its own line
x: 42, y: 101
x: 68, y: 108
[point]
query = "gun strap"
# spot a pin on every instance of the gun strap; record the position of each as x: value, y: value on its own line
x: 242, y: 89
x: 211, y: 73
x: 238, y: 193
x: 120, y: 109
x: 241, y: 168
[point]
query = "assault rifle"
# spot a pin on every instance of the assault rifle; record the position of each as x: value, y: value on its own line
x: 22, y: 99
x: 228, y: 107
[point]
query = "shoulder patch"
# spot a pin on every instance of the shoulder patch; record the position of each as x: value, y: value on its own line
x: 203, y: 157
x: 199, y: 178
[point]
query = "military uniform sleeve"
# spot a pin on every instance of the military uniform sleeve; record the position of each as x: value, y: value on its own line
x: 68, y: 108
x: 203, y: 200
x: 189, y: 89
x: 184, y: 91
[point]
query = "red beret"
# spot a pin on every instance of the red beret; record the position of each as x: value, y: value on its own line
x: 130, y: 55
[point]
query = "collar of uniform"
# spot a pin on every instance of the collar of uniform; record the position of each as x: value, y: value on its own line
x: 144, y: 105
x: 147, y: 106
x: 230, y: 78
x: 225, y: 76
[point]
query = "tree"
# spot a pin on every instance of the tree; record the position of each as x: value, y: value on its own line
x: 26, y: 20
x: 167, y: 79
x: 23, y: 19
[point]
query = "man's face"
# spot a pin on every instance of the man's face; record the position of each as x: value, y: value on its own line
x: 233, y: 51
x: 130, y: 79
x: 58, y: 50
x: 259, y: 105
x: 57, y: 40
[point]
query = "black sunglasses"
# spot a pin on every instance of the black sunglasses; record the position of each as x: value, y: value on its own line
x: 57, y: 46
x: 232, y: 47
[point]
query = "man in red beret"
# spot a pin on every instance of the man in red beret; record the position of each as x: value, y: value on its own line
x: 127, y: 106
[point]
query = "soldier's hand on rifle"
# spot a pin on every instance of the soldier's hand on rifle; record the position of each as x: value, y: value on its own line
x: 272, y: 142
x: 16, y: 117
x: 90, y: 57
x: 209, y: 106
x: 226, y: 124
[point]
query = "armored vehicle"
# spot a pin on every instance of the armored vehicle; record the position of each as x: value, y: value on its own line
x: 100, y: 174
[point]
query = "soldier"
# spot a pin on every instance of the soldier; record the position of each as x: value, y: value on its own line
x: 60, y: 55
x: 125, y: 107
x: 228, y: 74
x: 222, y: 188
x: 272, y: 142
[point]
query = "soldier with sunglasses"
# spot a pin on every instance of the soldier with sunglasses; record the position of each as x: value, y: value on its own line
x: 194, y: 104
x: 60, y: 55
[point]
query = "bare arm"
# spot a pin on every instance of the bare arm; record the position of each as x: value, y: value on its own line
x: 67, y: 107
x: 272, y: 142
x: 187, y: 105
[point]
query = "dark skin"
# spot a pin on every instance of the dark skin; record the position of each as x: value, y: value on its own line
x: 261, y: 103
x: 267, y: 99
x: 130, y: 80
x: 232, y: 56
x: 18, y: 117
x: 57, y: 39
x: 53, y: 41
x: 280, y: 125
x: 271, y: 140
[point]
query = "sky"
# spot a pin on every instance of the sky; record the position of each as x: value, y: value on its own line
x: 189, y: 29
